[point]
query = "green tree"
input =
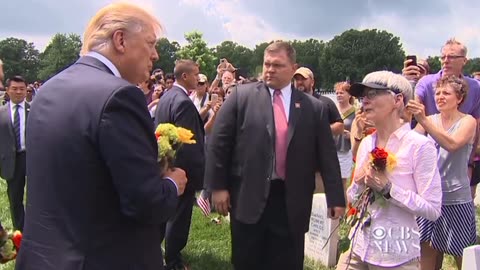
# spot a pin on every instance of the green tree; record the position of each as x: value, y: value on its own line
x: 19, y: 58
x: 238, y: 55
x: 355, y: 53
x: 257, y: 59
x: 308, y: 55
x: 62, y: 51
x: 473, y: 65
x: 434, y: 63
x: 196, y: 49
x: 167, y: 52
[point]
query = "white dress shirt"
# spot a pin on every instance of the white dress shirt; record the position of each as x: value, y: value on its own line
x: 107, y: 63
x: 197, y: 101
x: 286, y: 97
x: 183, y: 88
x: 21, y: 112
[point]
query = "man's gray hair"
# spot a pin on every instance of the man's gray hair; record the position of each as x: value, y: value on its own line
x: 1, y: 63
x: 394, y: 82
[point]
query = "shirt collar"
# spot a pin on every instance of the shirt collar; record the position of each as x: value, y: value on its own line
x: 106, y: 62
x: 286, y: 91
x: 402, y: 131
x: 181, y: 87
x: 22, y: 105
x: 440, y: 74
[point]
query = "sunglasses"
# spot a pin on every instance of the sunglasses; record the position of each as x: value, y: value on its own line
x: 201, y: 83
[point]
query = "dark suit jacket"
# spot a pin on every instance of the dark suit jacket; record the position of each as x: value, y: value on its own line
x: 177, y: 108
x: 7, y: 141
x: 240, y: 155
x: 95, y: 194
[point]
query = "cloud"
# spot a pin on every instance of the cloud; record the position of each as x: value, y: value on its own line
x: 424, y: 34
x: 423, y: 26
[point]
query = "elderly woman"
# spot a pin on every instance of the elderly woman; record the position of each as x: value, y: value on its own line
x: 453, y: 132
x: 386, y: 234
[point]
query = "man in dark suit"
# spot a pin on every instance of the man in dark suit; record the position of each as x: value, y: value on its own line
x: 267, y: 142
x: 177, y: 108
x: 96, y: 198
x: 13, y: 119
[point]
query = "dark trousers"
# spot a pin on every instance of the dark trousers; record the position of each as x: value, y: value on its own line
x: 15, y: 191
x: 176, y: 230
x: 268, y: 244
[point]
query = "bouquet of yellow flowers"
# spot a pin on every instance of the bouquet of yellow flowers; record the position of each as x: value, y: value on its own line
x: 169, y: 139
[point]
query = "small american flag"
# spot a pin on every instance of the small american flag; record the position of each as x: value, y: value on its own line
x: 203, y: 201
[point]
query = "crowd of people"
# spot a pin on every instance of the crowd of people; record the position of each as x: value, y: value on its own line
x: 98, y: 199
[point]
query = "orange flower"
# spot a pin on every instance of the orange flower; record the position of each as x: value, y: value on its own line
x: 185, y: 136
x: 352, y: 212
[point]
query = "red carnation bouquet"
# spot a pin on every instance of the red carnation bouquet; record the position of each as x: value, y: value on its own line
x: 381, y: 160
x: 9, y: 244
x: 357, y: 213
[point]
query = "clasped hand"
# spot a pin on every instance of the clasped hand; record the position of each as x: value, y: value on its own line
x: 372, y: 178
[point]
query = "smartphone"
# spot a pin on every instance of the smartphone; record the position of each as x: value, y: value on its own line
x: 214, y: 98
x: 414, y: 60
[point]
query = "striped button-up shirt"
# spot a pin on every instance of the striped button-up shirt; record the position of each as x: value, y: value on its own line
x: 393, y: 237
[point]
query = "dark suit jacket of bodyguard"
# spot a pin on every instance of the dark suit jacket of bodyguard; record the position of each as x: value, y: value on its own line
x: 177, y: 108
x: 241, y: 153
x: 8, y: 149
x: 95, y: 198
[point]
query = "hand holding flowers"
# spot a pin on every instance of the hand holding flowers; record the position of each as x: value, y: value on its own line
x: 169, y: 139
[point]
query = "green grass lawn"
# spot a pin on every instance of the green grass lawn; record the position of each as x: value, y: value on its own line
x: 208, y: 246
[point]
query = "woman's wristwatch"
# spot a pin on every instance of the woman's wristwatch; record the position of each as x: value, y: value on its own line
x: 386, y: 190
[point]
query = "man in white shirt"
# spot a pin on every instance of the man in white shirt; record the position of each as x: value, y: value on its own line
x: 13, y: 119
x: 200, y: 97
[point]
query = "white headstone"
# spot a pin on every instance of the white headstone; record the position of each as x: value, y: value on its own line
x: 320, y: 229
x: 477, y: 196
x: 471, y: 258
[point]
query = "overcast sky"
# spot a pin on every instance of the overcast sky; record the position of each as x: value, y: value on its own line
x: 422, y: 25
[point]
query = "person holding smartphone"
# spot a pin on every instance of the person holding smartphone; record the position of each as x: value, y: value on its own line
x: 414, y: 69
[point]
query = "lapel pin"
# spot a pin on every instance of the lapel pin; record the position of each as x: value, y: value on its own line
x: 297, y: 105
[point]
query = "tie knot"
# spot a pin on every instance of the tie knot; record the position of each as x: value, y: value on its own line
x: 277, y: 92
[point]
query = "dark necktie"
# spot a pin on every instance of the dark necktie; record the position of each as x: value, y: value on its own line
x: 281, y: 130
x: 16, y: 126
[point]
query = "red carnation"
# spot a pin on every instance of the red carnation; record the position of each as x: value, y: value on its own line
x: 352, y: 212
x: 17, y: 239
x: 369, y: 131
x: 379, y: 158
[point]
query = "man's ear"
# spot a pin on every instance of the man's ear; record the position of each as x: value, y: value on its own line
x: 118, y: 40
